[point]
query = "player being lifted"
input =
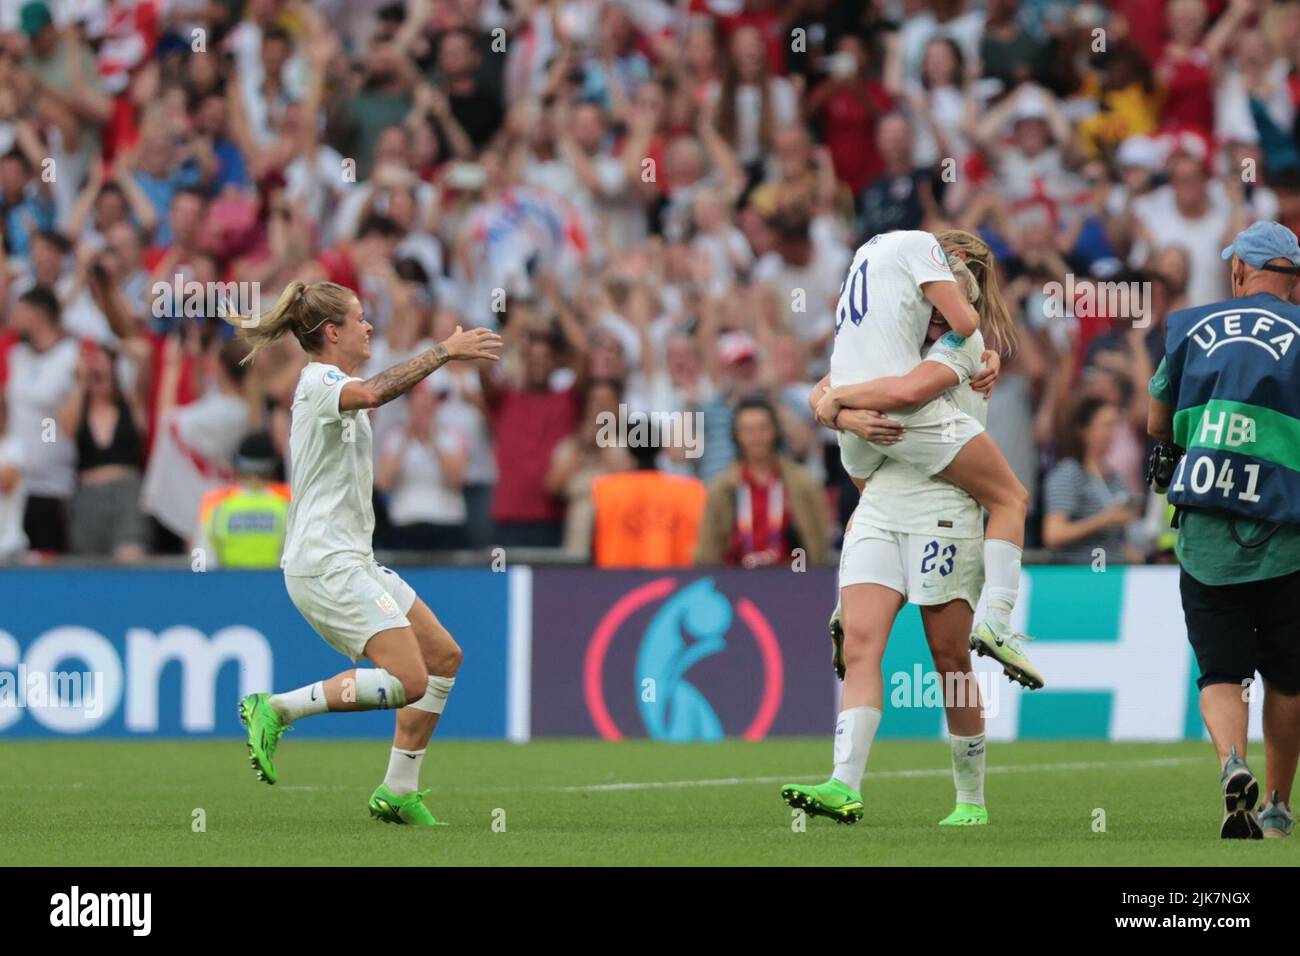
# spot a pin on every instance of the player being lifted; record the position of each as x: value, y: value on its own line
x: 360, y: 608
x: 876, y: 365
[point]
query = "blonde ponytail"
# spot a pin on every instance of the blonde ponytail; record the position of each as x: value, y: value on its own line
x: 301, y: 309
x: 980, y: 265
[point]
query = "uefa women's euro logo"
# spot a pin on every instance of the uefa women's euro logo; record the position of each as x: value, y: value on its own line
x: 695, y: 627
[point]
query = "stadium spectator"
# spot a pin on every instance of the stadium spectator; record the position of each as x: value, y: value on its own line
x: 477, y: 110
x: 845, y: 107
x: 901, y: 197
x: 26, y: 204
x: 42, y: 370
x: 108, y: 425
x: 750, y: 104
x: 242, y: 524
x: 579, y: 459
x: 645, y: 518
x: 528, y: 420
x: 765, y: 507
x: 422, y: 471
x: 1192, y: 213
x: 197, y: 441
x: 13, y: 495
x: 1087, y: 507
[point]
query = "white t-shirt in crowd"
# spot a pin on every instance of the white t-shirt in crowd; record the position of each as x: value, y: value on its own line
x: 421, y: 493
x: 806, y: 294
x: 38, y: 384
x: 1203, y: 237
x: 784, y: 104
x: 900, y: 498
x: 12, y: 504
x: 882, y: 314
x: 331, y: 512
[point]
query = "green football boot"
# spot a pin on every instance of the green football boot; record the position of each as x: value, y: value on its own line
x: 1240, y: 797
x: 407, y: 808
x: 264, y: 732
x: 994, y: 639
x: 966, y: 815
x: 830, y: 799
x: 1275, y: 818
x: 837, y: 641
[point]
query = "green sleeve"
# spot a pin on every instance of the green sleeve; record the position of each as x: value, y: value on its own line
x: 1159, y: 386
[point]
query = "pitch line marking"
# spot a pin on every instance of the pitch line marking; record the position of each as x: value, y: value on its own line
x: 888, y: 774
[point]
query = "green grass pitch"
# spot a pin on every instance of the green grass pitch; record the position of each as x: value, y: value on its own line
x: 593, y: 803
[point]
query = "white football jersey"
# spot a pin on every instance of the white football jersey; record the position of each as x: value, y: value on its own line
x: 331, y: 513
x: 882, y: 314
x: 900, y: 498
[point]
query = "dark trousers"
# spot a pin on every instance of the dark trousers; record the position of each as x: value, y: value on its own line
x: 45, y: 522
x: 529, y: 534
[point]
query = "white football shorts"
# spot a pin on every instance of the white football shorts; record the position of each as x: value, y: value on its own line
x: 349, y: 605
x: 932, y: 436
x: 924, y: 568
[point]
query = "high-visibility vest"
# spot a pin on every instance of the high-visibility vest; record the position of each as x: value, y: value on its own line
x: 246, y: 526
x: 646, y: 519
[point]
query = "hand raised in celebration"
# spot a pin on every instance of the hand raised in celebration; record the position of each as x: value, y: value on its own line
x: 467, y: 345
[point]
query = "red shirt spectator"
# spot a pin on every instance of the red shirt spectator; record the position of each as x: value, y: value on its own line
x: 526, y: 427
x: 846, y: 115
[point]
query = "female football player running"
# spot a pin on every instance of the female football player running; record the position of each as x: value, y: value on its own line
x: 913, y: 538
x: 875, y: 364
x: 360, y: 608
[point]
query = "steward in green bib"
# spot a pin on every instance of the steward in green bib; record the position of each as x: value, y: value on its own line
x: 1225, y: 407
x: 243, y: 524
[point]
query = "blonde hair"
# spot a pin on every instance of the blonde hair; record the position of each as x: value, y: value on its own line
x: 979, y: 263
x: 301, y: 309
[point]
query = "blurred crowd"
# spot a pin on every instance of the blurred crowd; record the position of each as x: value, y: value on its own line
x: 654, y: 201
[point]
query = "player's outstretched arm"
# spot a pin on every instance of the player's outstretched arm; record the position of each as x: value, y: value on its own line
x: 400, y: 379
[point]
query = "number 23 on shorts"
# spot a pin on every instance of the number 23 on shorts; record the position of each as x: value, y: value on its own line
x: 940, y: 556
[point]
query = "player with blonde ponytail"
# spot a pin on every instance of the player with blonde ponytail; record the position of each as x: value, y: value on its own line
x: 360, y: 608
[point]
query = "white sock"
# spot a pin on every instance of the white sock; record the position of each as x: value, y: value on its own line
x: 854, y: 732
x: 404, y: 771
x: 968, y: 767
x: 376, y: 689
x: 1002, y: 578
x: 303, y: 702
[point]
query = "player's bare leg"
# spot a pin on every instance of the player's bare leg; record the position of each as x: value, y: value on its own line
x: 981, y: 470
x: 947, y: 631
x: 442, y: 657
x: 869, y: 611
x: 1281, y: 753
x: 399, y: 798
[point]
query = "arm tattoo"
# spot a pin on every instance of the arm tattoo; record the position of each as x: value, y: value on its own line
x: 400, y: 379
